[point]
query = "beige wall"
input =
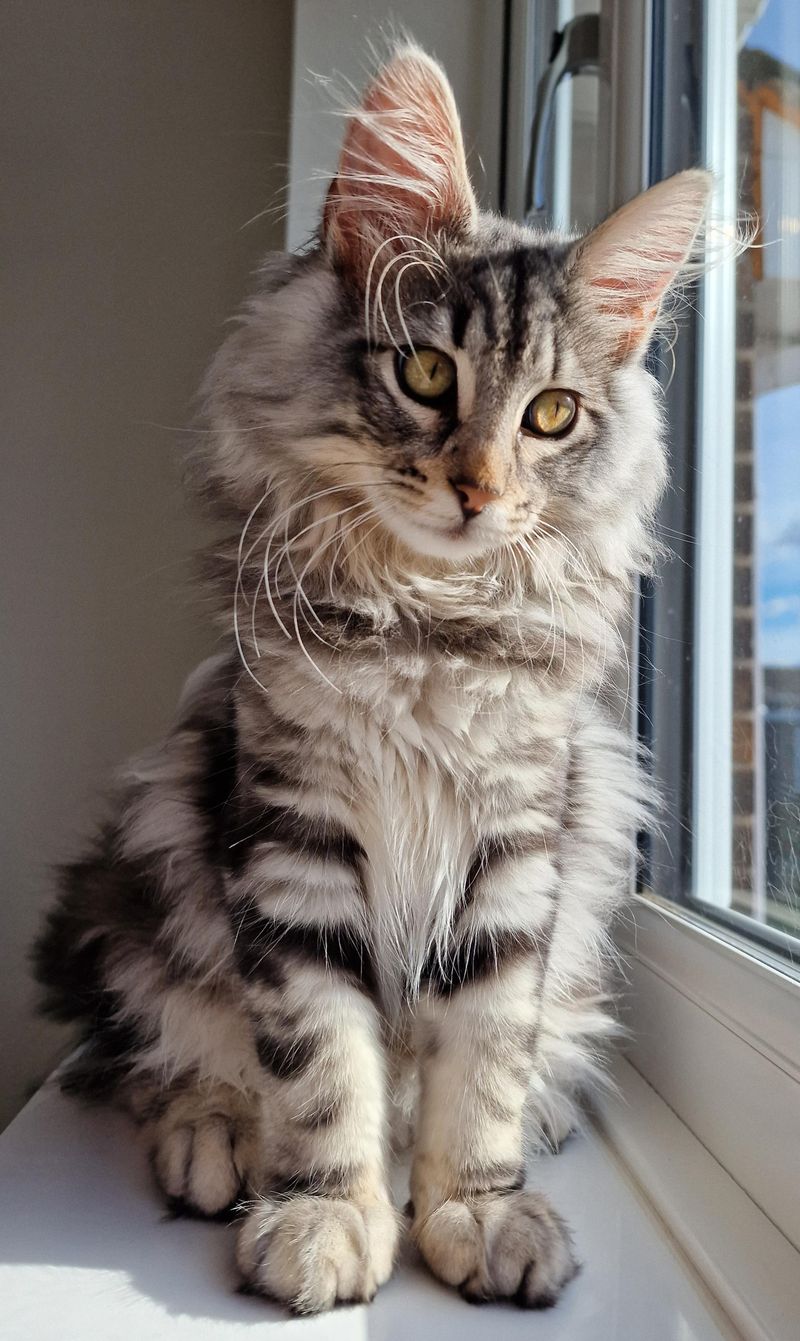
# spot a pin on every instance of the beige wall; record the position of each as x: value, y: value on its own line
x: 333, y: 38
x: 138, y: 140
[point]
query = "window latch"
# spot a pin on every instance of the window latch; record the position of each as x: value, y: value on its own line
x: 576, y: 50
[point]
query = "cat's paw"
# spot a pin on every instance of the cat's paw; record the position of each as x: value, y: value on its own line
x: 201, y: 1165
x: 499, y: 1246
x: 556, y: 1131
x: 312, y: 1252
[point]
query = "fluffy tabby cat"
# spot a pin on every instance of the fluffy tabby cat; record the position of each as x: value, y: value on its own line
x: 376, y: 858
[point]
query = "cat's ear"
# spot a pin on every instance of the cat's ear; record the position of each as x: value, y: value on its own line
x: 626, y: 266
x: 403, y: 172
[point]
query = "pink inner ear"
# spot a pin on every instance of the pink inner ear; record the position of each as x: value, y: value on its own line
x: 624, y: 300
x: 402, y: 168
x: 634, y: 298
x: 629, y: 262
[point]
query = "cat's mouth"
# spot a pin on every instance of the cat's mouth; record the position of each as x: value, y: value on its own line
x: 448, y: 538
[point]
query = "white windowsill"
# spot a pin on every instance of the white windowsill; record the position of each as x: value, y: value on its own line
x: 716, y: 1032
x: 746, y: 989
x: 85, y: 1253
x: 748, y: 1265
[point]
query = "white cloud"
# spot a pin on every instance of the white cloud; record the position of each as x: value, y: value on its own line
x: 779, y: 606
x: 780, y: 646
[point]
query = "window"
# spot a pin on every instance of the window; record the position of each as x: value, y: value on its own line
x: 683, y: 82
x: 714, y: 955
x: 716, y: 1001
x: 766, y: 738
x: 733, y: 522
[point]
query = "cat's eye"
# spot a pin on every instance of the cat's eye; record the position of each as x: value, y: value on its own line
x: 550, y: 413
x: 426, y: 375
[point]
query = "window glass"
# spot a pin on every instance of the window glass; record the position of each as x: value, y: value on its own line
x: 718, y: 643
x: 720, y: 629
x: 575, y: 149
x: 766, y: 667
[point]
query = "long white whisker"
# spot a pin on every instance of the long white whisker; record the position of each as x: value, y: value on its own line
x: 378, y: 301
x: 239, y: 561
x: 317, y: 554
x: 322, y: 493
x: 284, y: 551
x: 396, y: 237
x: 305, y: 500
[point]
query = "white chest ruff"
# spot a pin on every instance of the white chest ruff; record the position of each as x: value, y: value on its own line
x: 419, y: 806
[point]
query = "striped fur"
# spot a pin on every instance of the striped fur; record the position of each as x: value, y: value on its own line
x: 376, y: 858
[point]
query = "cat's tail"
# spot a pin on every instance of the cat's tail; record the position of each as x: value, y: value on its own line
x: 68, y: 960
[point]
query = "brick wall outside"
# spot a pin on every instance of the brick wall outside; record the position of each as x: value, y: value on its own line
x: 746, y: 689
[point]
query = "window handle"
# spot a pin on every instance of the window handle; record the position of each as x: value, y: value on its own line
x: 576, y: 50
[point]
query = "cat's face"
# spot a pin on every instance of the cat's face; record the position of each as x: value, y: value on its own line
x: 449, y: 378
x: 484, y: 403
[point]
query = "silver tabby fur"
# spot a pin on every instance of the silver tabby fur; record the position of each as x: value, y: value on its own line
x: 371, y: 869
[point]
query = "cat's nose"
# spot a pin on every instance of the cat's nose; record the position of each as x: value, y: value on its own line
x: 473, y: 497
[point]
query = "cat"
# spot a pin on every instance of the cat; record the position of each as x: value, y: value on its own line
x: 372, y: 867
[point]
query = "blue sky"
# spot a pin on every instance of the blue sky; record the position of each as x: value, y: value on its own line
x: 778, y: 31
x: 777, y: 437
x: 777, y: 448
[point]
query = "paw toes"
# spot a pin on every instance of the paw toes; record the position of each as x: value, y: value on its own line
x: 473, y: 1294
x: 213, y: 1180
x: 171, y: 1154
x: 500, y: 1247
x: 523, y: 1299
x: 452, y: 1243
x: 311, y: 1253
x: 196, y: 1168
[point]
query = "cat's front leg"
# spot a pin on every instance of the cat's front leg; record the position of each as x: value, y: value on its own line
x: 475, y: 1223
x: 325, y: 1230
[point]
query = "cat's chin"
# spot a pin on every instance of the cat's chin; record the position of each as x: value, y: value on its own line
x: 441, y: 542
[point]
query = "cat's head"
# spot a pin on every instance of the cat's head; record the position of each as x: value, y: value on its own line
x: 458, y: 384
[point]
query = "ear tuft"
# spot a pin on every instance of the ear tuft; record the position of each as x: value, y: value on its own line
x: 402, y: 172
x: 628, y: 264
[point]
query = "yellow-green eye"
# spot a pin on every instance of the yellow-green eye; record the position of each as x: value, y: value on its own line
x: 426, y: 374
x: 550, y: 413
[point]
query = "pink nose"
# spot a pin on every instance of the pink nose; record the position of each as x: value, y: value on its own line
x: 473, y: 498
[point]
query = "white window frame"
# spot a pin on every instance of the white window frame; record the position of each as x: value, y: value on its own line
x: 712, y: 873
